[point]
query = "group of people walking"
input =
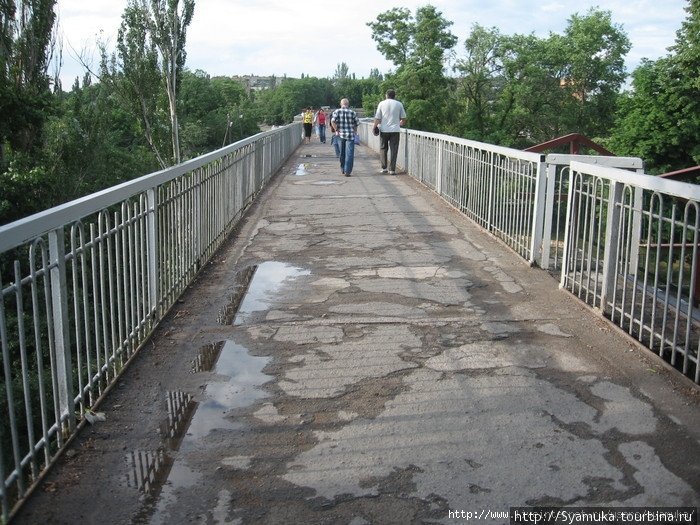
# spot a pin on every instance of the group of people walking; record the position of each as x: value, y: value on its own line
x: 388, y: 119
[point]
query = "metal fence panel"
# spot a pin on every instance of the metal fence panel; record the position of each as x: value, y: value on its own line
x: 623, y: 242
x: 84, y: 284
x: 632, y: 252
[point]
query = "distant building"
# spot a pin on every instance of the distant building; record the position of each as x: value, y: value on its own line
x: 258, y: 83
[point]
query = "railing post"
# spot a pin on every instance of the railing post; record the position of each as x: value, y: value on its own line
x: 197, y: 218
x: 153, y: 255
x: 405, y: 150
x: 636, y: 228
x: 538, y: 212
x: 567, y: 230
x: 548, y: 213
x: 611, y: 241
x: 489, y: 213
x: 61, y: 326
x: 438, y: 168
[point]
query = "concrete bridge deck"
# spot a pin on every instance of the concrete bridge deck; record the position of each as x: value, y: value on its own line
x: 361, y: 353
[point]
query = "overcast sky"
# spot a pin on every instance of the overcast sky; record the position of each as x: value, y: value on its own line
x: 266, y: 37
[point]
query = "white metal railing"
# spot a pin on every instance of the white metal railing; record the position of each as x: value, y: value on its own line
x: 631, y: 250
x: 501, y: 189
x: 624, y: 242
x: 86, y: 282
x: 557, y: 197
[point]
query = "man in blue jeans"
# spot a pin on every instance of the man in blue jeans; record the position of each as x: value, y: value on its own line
x: 344, y: 122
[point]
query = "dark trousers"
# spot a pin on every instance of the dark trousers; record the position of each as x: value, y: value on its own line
x: 388, y: 141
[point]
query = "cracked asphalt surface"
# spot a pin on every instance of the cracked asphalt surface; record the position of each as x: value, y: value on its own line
x: 360, y: 353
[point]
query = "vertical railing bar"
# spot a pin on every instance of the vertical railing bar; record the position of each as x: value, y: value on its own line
x: 10, y: 398
x: 86, y: 309
x: 646, y: 219
x: 610, y: 250
x: 153, y: 252
x: 74, y: 254
x: 37, y: 342
x: 19, y: 304
x: 669, y: 277
x: 691, y: 287
x: 600, y: 199
x: 551, y: 176
x: 568, y: 230
x: 121, y: 221
x: 104, y: 239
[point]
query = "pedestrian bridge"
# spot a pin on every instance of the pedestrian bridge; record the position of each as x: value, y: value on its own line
x: 251, y: 337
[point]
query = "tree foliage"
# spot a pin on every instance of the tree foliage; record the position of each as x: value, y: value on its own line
x: 518, y: 90
x: 418, y: 47
x: 145, y: 107
x: 659, y: 119
x: 26, y: 49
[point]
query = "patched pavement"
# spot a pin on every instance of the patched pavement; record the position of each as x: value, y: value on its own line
x: 360, y: 353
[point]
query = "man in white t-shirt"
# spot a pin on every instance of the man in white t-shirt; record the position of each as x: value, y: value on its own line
x: 388, y: 119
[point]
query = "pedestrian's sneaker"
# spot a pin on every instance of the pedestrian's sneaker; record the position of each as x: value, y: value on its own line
x: 392, y: 173
x: 383, y: 170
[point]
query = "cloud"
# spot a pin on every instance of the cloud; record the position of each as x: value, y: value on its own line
x: 265, y: 37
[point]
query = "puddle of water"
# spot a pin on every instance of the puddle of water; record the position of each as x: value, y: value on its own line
x: 161, y: 474
x: 181, y: 407
x: 325, y: 182
x: 242, y: 389
x: 267, y: 281
x: 148, y: 470
x: 206, y: 358
x: 240, y: 285
x: 301, y: 170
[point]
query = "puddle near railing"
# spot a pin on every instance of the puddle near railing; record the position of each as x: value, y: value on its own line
x: 241, y: 390
x: 267, y: 283
x: 162, y: 473
x: 240, y: 286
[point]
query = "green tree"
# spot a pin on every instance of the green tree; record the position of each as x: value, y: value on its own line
x: 418, y: 47
x: 593, y: 49
x: 26, y: 49
x: 520, y: 90
x: 393, y: 31
x: 479, y: 72
x: 147, y: 67
x: 134, y: 76
x: 659, y: 119
x: 169, y: 20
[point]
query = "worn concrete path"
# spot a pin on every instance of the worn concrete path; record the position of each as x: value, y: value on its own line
x: 389, y: 363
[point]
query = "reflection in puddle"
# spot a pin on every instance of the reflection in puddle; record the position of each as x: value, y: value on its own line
x: 266, y: 282
x: 206, y: 358
x: 240, y: 285
x: 148, y: 470
x: 301, y: 170
x: 162, y: 474
x: 240, y: 390
x: 181, y: 407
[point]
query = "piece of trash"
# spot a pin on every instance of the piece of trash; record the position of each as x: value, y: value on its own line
x: 94, y: 417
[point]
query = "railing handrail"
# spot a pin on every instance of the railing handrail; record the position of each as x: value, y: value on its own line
x: 23, y: 230
x: 647, y: 182
x: 604, y: 207
x: 501, y: 150
x: 95, y: 277
x: 560, y: 159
